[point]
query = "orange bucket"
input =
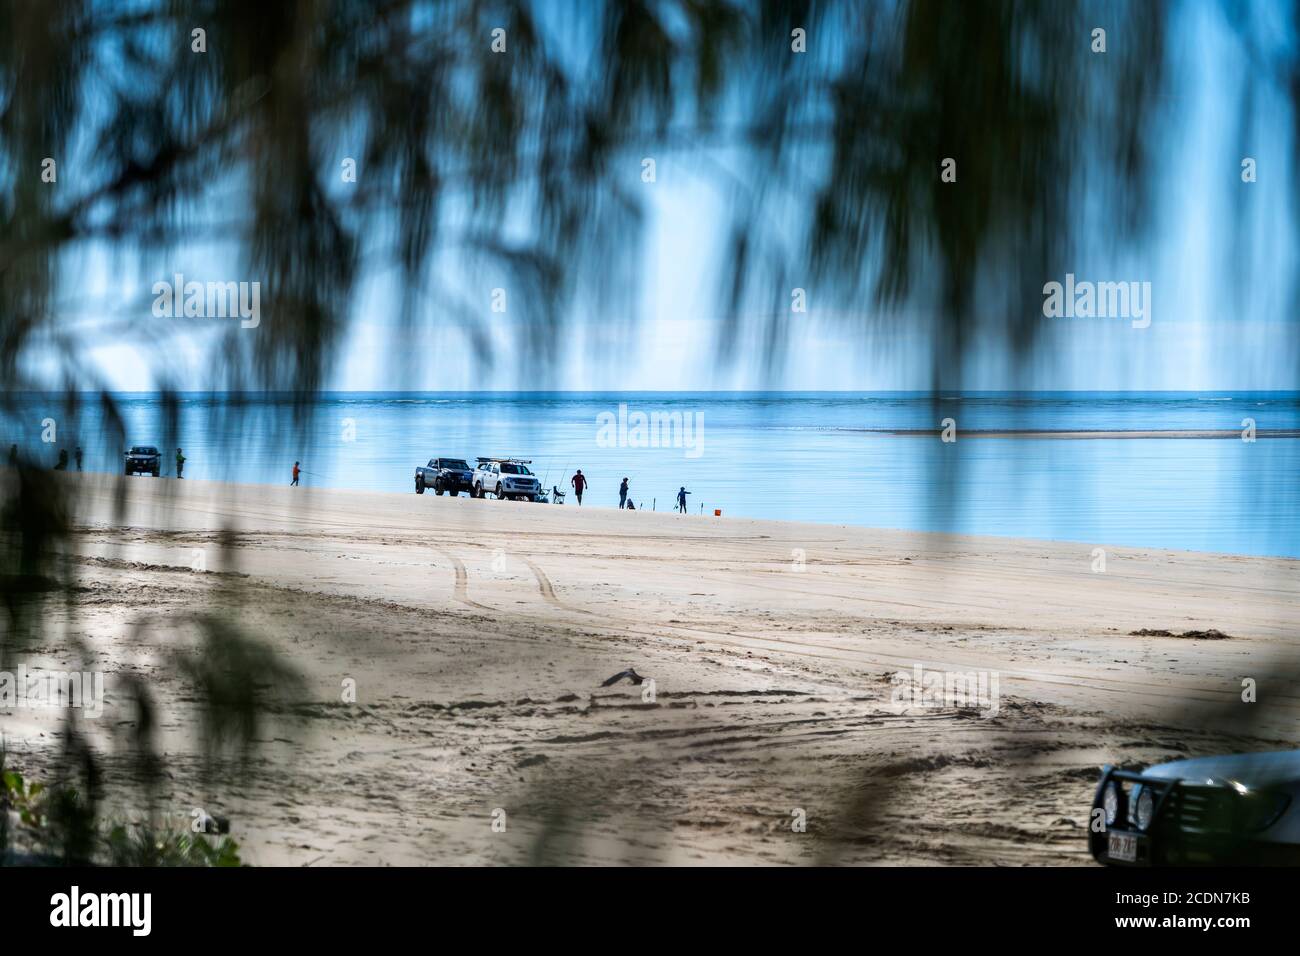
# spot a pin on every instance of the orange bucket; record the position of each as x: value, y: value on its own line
x: 717, y: 512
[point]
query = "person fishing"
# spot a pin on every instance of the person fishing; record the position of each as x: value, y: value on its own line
x: 296, y: 471
x: 681, y: 499
x: 180, y: 463
x: 622, y: 494
x: 579, y: 482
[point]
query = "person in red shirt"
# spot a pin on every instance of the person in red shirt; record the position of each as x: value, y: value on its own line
x: 295, y: 475
x: 579, y: 482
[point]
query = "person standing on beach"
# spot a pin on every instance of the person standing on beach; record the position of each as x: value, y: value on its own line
x: 681, y: 499
x: 180, y: 463
x: 579, y: 482
x: 295, y: 475
x: 63, y: 460
x: 622, y: 494
x: 13, y: 455
x: 78, y: 457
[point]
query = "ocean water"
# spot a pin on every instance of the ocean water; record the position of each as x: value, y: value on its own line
x: 799, y: 456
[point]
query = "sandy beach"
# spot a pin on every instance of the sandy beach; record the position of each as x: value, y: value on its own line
x: 478, y: 634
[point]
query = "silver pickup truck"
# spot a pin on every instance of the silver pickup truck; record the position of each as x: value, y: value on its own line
x: 445, y: 475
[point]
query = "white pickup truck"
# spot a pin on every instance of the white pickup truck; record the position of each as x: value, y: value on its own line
x: 505, y: 478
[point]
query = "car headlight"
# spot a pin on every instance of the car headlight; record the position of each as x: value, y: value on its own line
x: 1146, y: 808
x: 1111, y: 801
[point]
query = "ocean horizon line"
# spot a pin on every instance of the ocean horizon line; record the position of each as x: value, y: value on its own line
x: 737, y: 393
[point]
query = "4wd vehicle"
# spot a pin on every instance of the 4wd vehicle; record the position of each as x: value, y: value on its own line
x: 505, y: 478
x: 450, y: 475
x: 1235, y: 809
x: 143, y: 460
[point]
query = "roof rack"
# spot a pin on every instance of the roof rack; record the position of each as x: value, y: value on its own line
x: 513, y: 461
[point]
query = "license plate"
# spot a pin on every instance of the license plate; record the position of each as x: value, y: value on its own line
x: 1122, y: 847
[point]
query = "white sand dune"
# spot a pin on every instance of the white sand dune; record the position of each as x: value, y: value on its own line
x: 478, y: 633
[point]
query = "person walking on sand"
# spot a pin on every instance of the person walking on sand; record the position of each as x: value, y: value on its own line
x: 579, y: 482
x: 681, y: 499
x: 622, y: 494
x: 180, y: 464
x: 78, y: 457
x: 295, y: 475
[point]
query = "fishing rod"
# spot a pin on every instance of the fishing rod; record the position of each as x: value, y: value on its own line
x: 548, y: 478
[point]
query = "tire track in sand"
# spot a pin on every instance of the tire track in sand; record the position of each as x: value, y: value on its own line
x: 462, y: 582
x: 547, y: 591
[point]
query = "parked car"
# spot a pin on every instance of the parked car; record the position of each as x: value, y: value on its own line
x: 1234, y: 809
x: 505, y: 478
x: 449, y: 475
x: 143, y: 460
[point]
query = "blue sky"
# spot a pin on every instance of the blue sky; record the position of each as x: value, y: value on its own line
x: 1218, y: 322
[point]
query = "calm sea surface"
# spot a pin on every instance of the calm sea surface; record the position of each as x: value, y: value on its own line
x: 797, y: 456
